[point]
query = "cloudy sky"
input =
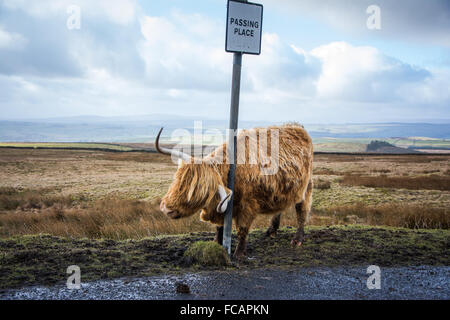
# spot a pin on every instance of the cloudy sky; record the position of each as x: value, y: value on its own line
x: 320, y: 63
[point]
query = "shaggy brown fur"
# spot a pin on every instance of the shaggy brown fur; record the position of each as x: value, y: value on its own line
x: 195, y: 185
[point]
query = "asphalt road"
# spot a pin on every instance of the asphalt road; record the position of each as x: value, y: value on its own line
x: 422, y: 282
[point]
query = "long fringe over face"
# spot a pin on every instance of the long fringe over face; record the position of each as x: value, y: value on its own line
x: 194, y: 188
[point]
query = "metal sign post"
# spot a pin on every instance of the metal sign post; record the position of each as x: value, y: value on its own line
x: 244, y: 30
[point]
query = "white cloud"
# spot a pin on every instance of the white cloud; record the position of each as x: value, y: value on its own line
x: 178, y: 55
x: 282, y: 68
x: 137, y: 64
x: 107, y: 38
x: 434, y: 90
x: 12, y: 41
x: 405, y: 20
x: 120, y: 12
x: 362, y: 74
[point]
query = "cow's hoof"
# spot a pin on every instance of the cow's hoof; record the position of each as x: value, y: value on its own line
x: 296, y: 243
x: 271, y: 234
x: 240, y: 257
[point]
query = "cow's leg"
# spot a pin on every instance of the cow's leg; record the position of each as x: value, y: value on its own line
x: 219, y: 235
x: 242, y: 233
x: 274, y: 225
x: 302, y: 209
x: 243, y: 222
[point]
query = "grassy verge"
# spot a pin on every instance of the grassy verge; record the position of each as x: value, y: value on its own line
x: 43, y: 259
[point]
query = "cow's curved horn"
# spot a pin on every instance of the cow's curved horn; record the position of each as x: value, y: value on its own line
x: 170, y: 152
x: 224, y: 199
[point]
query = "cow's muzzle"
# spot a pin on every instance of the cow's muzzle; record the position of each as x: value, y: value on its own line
x: 170, y: 213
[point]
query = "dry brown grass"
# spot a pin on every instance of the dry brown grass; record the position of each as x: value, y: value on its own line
x: 95, y: 194
x: 395, y: 165
x: 381, y: 171
x: 112, y: 219
x: 431, y: 171
x: 131, y: 219
x: 96, y: 175
x: 395, y: 215
x: 322, y: 184
x: 326, y: 171
x: 12, y: 198
x: 432, y: 182
x: 135, y: 157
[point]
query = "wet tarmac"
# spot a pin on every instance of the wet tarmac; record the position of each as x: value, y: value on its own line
x: 424, y: 282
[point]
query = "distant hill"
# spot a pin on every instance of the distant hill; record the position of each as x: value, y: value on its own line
x: 143, y: 128
x: 377, y: 146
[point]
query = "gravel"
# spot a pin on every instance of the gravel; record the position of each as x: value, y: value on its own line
x: 423, y: 282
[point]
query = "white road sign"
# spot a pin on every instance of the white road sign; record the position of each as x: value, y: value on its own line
x: 244, y: 27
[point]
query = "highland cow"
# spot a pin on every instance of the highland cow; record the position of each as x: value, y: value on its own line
x: 201, y: 184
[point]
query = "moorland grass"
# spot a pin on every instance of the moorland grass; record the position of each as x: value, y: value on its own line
x: 120, y: 219
x: 208, y: 253
x: 394, y: 215
x: 430, y: 182
x: 105, y: 198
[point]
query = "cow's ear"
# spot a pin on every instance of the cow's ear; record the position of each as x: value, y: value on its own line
x: 225, y: 197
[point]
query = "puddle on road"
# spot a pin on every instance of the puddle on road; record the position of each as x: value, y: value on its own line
x: 423, y: 282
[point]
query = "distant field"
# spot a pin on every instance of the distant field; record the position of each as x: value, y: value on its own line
x: 338, y: 145
x: 61, y: 145
x: 356, y: 145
